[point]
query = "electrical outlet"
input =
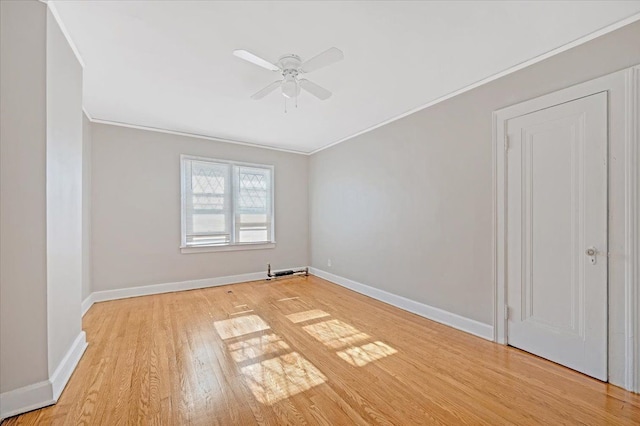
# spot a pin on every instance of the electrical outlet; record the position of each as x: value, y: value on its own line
x: 329, y: 262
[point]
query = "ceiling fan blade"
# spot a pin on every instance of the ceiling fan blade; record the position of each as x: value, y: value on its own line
x: 254, y: 59
x: 264, y: 92
x: 325, y: 58
x: 317, y: 91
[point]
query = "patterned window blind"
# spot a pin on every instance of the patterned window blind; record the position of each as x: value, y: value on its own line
x: 226, y: 203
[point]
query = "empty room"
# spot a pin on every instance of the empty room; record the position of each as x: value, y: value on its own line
x: 319, y: 212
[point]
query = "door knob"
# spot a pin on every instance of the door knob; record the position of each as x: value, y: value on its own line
x: 592, y: 252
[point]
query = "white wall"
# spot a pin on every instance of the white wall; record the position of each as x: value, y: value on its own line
x: 407, y: 208
x: 86, y: 207
x: 64, y: 194
x: 136, y: 209
x: 23, y: 268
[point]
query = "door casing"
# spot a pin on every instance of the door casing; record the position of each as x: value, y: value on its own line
x: 623, y: 221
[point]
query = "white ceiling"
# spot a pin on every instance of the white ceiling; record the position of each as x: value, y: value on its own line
x: 169, y: 64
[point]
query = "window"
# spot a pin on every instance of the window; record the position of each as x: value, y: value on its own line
x: 226, y: 204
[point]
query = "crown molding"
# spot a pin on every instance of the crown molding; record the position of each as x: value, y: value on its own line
x: 52, y: 7
x: 190, y: 135
x: 89, y: 116
x: 493, y: 77
x: 517, y: 67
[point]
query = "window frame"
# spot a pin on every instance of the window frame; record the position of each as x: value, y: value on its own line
x: 232, y: 245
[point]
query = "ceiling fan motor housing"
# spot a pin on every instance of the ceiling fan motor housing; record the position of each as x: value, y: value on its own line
x: 289, y: 62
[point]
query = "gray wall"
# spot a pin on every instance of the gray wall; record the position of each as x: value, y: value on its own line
x: 41, y: 174
x: 64, y: 194
x: 136, y: 209
x: 407, y: 208
x: 86, y: 207
x: 23, y: 262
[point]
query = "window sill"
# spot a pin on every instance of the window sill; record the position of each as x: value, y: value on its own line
x: 234, y: 247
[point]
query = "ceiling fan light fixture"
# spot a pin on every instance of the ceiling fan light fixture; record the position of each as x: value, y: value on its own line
x: 290, y: 88
x: 293, y: 71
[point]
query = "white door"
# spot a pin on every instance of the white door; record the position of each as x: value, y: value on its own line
x: 557, y: 234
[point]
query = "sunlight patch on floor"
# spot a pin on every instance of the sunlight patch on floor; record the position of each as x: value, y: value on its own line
x: 363, y: 355
x: 278, y: 378
x: 335, y: 333
x: 240, y: 326
x: 288, y: 298
x: 241, y: 312
x: 307, y: 315
x: 256, y: 347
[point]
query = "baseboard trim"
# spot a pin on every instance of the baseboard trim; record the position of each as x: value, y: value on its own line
x: 86, y: 304
x: 435, y: 314
x: 65, y: 369
x: 25, y: 399
x: 46, y: 392
x: 124, y: 293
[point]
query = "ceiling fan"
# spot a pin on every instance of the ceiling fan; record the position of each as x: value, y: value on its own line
x: 293, y: 70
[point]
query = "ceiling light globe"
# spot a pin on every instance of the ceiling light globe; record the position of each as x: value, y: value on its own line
x: 290, y: 88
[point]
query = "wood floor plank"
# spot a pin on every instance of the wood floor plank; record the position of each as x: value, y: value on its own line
x: 305, y: 351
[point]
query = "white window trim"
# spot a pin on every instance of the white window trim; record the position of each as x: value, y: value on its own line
x: 228, y: 247
x: 184, y: 248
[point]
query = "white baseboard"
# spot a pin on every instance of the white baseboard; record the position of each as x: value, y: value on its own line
x: 146, y: 290
x: 86, y: 304
x: 62, y: 374
x: 47, y: 392
x: 25, y: 399
x: 436, y: 314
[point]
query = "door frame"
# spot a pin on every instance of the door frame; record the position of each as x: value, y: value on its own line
x: 623, y: 187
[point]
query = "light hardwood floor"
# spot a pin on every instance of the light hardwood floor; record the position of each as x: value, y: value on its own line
x: 305, y: 351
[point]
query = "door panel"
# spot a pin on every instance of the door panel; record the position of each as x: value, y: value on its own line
x: 556, y: 210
